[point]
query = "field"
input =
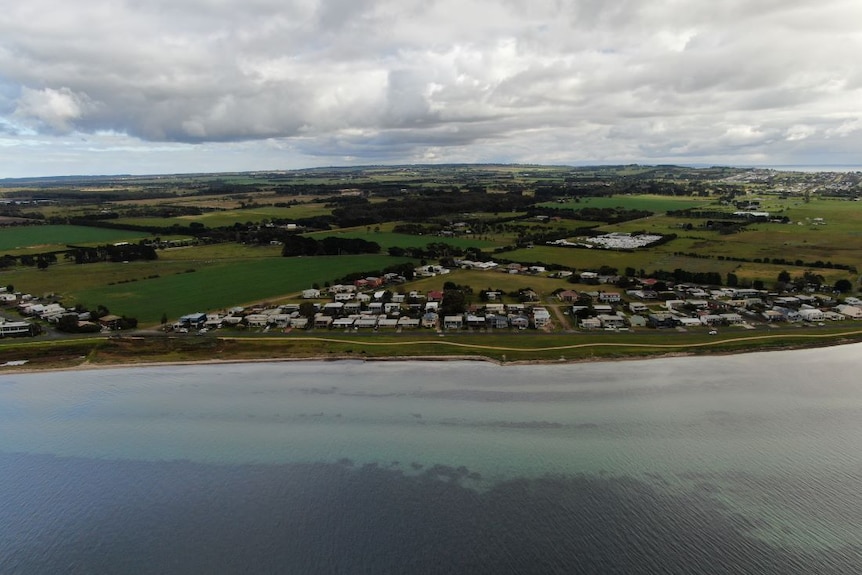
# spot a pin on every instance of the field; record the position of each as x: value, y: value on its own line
x: 222, y: 218
x: 23, y: 239
x: 657, y: 204
x: 496, y: 201
x: 389, y: 239
x: 224, y: 284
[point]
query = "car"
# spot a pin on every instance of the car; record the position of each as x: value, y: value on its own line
x: 713, y: 332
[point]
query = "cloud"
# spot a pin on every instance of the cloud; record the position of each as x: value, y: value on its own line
x: 55, y: 110
x: 396, y: 79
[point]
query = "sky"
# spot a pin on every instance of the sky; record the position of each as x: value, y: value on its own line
x: 179, y: 86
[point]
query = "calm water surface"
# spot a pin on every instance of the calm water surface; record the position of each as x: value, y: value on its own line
x: 735, y: 464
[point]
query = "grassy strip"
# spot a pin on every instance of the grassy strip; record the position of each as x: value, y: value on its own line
x: 144, y: 350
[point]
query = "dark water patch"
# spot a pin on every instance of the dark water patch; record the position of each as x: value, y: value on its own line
x: 76, y: 515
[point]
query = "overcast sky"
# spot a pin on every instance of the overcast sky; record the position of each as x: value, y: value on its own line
x: 166, y: 86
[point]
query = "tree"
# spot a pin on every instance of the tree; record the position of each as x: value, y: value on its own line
x: 164, y: 319
x: 307, y: 309
x: 843, y: 286
x: 732, y: 279
x: 784, y: 276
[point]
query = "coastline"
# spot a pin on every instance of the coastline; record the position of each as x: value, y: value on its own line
x: 647, y: 352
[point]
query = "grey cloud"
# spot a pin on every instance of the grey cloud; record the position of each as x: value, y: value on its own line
x: 367, y: 78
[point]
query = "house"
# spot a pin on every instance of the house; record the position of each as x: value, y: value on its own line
x: 16, y: 328
x: 111, y: 321
x: 343, y: 296
x: 299, y: 322
x: 385, y: 322
x: 811, y: 314
x: 611, y: 321
x: 711, y: 319
x: 541, y: 317
x: 519, y: 321
x: 638, y: 307
x: 661, y: 320
x: 430, y: 319
x: 609, y: 297
x: 850, y: 311
x: 568, y: 296
x: 731, y: 318
x: 591, y: 323
x: 363, y: 297
x: 495, y: 308
x: 453, y: 322
x: 497, y: 321
x: 322, y: 321
x: 311, y: 294
x: 392, y: 308
x: 637, y: 321
x: 408, y: 322
x: 280, y: 319
x: 193, y: 320
x: 589, y: 277
x: 256, y: 320
x: 476, y: 321
x: 340, y: 288
x: 333, y: 308
x: 343, y: 322
x: 788, y: 314
x: 434, y: 295
x: 352, y: 307
x: 366, y: 322
x: 772, y: 315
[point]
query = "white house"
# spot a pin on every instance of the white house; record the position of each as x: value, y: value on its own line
x: 541, y: 317
x: 609, y: 297
x: 311, y: 294
x: 811, y: 314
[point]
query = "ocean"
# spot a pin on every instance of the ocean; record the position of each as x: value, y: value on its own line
x: 726, y: 464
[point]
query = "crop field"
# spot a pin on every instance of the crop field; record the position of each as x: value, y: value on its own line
x: 221, y: 285
x: 46, y: 238
x: 658, y: 204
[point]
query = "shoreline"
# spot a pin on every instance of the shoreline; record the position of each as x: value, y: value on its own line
x: 699, y: 351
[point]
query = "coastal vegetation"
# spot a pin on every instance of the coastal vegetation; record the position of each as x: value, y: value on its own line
x: 157, y: 248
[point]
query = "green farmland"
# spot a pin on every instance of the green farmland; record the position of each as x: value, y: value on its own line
x: 22, y: 239
x: 221, y: 285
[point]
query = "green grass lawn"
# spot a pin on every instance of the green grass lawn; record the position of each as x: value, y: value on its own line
x: 22, y: 239
x: 222, y: 284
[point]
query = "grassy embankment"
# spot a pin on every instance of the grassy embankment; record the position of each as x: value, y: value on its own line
x: 505, y: 349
